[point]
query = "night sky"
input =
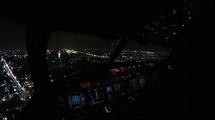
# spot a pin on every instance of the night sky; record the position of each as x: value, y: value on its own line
x: 12, y: 36
x: 79, y: 41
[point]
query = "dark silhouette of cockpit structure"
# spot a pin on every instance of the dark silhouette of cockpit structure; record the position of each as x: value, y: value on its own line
x: 174, y: 24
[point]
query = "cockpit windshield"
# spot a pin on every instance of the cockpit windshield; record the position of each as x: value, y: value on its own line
x: 69, y: 51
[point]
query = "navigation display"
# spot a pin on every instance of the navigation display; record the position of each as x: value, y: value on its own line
x: 75, y: 101
x: 108, y: 89
x: 75, y: 98
x: 142, y: 81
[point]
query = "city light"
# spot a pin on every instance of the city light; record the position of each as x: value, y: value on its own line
x: 68, y: 51
x: 59, y: 53
x: 15, y: 81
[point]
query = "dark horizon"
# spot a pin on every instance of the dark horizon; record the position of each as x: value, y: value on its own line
x: 12, y: 37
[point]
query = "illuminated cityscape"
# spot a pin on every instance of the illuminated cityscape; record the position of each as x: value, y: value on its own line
x: 65, y: 59
x: 16, y: 86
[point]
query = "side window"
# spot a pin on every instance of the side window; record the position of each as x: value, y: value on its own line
x: 16, y: 86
